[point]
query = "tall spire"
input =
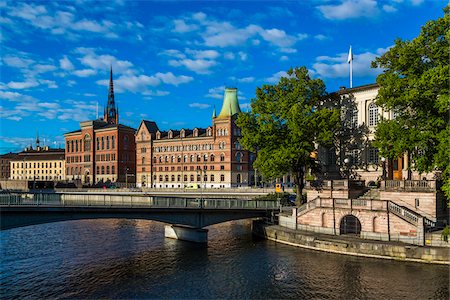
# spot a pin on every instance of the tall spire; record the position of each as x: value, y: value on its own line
x: 37, y: 138
x: 214, y: 113
x: 111, y: 112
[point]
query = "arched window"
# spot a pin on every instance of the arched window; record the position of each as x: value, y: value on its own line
x: 76, y: 146
x: 173, y: 159
x: 199, y: 177
x: 142, y: 136
x: 107, y: 142
x: 125, y: 142
x: 212, y: 177
x: 212, y: 157
x: 324, y: 220
x: 87, y: 142
x: 143, y: 160
x: 185, y: 158
x: 113, y: 170
x: 160, y: 178
x: 192, y: 178
x: 173, y: 177
x: 238, y: 178
x: 222, y: 157
x: 185, y: 177
x: 166, y: 178
x: 107, y: 169
x: 205, y: 178
x: 103, y: 170
x: 179, y: 158
x: 198, y: 158
x: 238, y: 157
x: 113, y: 142
x: 373, y: 114
x: 103, y: 143
x: 222, y: 177
x: 192, y: 158
x: 374, y: 224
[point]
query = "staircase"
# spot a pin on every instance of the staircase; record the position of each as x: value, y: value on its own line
x: 373, y: 194
x: 308, y: 206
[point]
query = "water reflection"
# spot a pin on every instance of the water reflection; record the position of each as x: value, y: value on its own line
x: 132, y: 259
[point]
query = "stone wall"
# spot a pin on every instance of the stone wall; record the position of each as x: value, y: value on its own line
x: 334, y: 244
x: 21, y: 185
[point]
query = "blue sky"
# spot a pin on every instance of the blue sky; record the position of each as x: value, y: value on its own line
x: 172, y: 59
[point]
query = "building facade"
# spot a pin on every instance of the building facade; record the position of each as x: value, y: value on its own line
x: 201, y: 157
x: 40, y: 164
x: 354, y: 155
x: 102, y: 150
x: 5, y: 168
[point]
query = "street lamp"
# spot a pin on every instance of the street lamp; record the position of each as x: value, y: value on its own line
x: 126, y: 177
x: 383, y: 164
x: 347, y: 168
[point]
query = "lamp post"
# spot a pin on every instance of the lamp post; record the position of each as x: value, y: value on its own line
x: 256, y: 178
x: 383, y: 165
x: 347, y: 169
x: 126, y: 177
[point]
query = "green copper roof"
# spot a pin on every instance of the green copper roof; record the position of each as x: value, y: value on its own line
x: 230, y: 105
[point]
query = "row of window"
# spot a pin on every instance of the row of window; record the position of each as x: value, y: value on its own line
x: 185, y: 148
x: 99, y: 170
x: 185, y: 168
x: 191, y: 158
x: 46, y: 171
x: 35, y: 165
x: 206, y: 178
x: 102, y: 143
x: 352, y: 114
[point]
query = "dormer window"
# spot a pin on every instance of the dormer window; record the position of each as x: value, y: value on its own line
x: 195, y: 132
x: 182, y: 133
x: 158, y: 135
x: 170, y: 135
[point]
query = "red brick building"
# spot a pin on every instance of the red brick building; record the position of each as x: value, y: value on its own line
x: 5, y: 170
x: 210, y: 157
x: 102, y: 150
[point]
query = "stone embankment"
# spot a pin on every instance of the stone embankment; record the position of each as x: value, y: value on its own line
x: 352, y: 245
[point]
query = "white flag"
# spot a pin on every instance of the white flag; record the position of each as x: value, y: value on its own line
x: 350, y: 55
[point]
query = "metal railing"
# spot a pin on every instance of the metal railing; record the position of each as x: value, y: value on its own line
x: 105, y: 200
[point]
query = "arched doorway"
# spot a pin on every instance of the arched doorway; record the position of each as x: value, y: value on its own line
x: 350, y: 225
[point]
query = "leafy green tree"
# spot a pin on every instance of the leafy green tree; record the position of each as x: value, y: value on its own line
x: 415, y: 85
x: 286, y: 124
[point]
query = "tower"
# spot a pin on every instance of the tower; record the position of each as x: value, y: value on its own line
x: 111, y: 115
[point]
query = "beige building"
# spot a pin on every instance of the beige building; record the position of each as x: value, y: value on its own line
x: 354, y: 156
x: 40, y: 164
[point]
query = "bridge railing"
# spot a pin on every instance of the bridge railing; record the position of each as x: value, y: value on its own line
x: 134, y: 201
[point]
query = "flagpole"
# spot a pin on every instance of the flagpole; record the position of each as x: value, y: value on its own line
x: 351, y: 73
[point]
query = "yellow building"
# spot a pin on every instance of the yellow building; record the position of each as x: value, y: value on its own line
x: 40, y: 164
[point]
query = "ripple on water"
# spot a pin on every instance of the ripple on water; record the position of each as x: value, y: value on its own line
x: 132, y: 259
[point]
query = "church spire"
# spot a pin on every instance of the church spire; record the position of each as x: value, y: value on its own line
x: 111, y: 112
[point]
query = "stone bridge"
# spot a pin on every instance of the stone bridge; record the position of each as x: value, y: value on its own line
x: 187, y: 216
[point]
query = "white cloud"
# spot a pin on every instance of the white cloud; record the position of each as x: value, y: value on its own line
x: 284, y: 58
x: 337, y: 66
x: 199, y: 105
x: 14, y: 96
x: 288, y: 50
x: 65, y: 64
x: 199, y: 66
x: 321, y: 37
x: 181, y: 26
x: 246, y: 79
x: 242, y: 55
x: 229, y: 55
x: 102, y: 62
x: 276, y: 77
x: 22, y: 85
x: 389, y: 8
x: 349, y: 9
x: 84, y: 72
x: 169, y: 78
x: 132, y: 83
x: 203, y: 54
x: 216, y: 92
x: 17, y: 62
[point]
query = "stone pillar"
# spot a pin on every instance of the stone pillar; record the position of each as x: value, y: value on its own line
x: 186, y: 233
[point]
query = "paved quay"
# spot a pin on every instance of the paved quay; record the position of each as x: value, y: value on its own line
x: 352, y: 245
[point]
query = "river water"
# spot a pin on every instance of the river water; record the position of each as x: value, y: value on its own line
x: 112, y: 259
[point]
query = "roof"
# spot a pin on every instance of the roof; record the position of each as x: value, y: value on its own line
x: 151, y: 126
x: 230, y: 105
x: 100, y: 125
x: 51, y: 154
x: 8, y: 155
x: 360, y: 88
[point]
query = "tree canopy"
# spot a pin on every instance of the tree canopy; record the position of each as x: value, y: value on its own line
x: 286, y: 124
x: 415, y: 86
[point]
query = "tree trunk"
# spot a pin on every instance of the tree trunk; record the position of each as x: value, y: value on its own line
x: 298, y: 180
